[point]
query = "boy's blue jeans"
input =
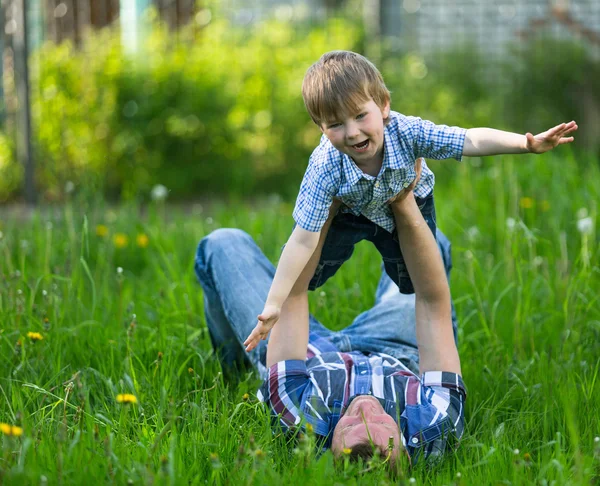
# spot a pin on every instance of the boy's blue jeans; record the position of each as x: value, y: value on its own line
x: 236, y: 276
x: 347, y: 230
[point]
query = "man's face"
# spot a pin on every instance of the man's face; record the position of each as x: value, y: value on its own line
x: 364, y: 419
x: 360, y: 135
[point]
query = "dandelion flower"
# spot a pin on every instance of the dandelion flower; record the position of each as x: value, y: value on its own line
x: 159, y: 193
x: 120, y: 240
x: 309, y: 428
x: 35, y: 336
x: 101, y: 230
x: 347, y: 451
x: 259, y: 454
x: 142, y: 240
x: 126, y: 398
x: 585, y: 225
x: 245, y: 397
x: 526, y: 202
x: 11, y: 430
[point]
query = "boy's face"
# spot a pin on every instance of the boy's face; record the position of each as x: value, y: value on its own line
x: 360, y: 135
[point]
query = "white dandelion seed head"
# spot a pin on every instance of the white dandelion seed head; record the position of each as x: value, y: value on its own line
x: 119, y: 270
x: 69, y: 187
x: 538, y: 261
x: 159, y: 192
x: 469, y: 255
x: 473, y: 233
x: 19, y: 292
x: 597, y: 440
x: 209, y: 220
x: 412, y: 480
x: 585, y: 226
x: 322, y: 293
x: 511, y: 224
x: 44, y: 293
x: 516, y: 452
x: 582, y: 213
x: 458, y: 474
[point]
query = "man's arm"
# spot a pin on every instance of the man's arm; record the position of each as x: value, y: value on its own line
x: 435, y: 339
x: 488, y: 141
x: 296, y: 254
x: 289, y: 338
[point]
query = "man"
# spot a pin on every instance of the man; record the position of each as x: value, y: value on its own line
x: 358, y: 387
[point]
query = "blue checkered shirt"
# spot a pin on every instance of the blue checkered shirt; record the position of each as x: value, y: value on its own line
x: 332, y: 173
x: 429, y: 410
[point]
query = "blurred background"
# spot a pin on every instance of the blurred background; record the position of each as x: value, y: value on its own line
x: 203, y: 97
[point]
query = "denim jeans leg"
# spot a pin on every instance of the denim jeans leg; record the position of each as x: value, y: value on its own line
x: 236, y: 276
x: 389, y: 327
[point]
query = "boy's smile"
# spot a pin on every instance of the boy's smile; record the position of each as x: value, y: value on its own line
x: 361, y: 135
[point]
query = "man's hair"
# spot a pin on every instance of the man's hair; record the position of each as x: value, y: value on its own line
x: 339, y: 83
x: 363, y: 450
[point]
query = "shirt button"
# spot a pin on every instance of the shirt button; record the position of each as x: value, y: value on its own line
x: 415, y: 440
x: 406, y: 184
x: 377, y: 184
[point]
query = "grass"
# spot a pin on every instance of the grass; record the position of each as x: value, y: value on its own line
x: 525, y: 283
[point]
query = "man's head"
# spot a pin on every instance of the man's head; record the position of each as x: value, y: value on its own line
x: 339, y: 83
x: 366, y: 426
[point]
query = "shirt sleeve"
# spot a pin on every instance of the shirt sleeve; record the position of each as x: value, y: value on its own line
x: 434, y: 141
x: 283, y: 391
x: 315, y: 196
x: 436, y: 422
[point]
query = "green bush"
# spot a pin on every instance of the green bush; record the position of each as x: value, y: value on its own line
x: 217, y: 109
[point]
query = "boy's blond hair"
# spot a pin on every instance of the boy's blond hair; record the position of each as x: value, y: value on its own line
x: 339, y: 83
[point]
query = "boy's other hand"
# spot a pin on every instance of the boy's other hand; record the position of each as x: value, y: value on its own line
x: 397, y: 200
x: 266, y: 320
x: 545, y: 141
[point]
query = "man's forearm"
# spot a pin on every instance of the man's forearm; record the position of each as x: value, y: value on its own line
x: 435, y: 338
x: 488, y: 141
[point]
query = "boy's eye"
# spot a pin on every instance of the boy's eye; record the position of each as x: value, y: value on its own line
x: 334, y: 125
x: 362, y: 115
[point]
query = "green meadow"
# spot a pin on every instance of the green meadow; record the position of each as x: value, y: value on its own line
x: 111, y: 292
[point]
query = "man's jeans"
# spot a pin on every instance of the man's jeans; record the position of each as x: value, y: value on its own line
x: 236, y: 276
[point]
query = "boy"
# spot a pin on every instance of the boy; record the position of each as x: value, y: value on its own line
x: 366, y: 159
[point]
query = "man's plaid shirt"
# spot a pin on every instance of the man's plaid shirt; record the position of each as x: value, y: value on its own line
x: 332, y: 174
x: 429, y: 410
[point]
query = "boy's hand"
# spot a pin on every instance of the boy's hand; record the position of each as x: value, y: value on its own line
x: 549, y: 139
x: 397, y: 200
x: 266, y: 320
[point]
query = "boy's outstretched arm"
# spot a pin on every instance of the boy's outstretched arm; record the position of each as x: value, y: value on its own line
x: 294, y: 258
x: 488, y: 141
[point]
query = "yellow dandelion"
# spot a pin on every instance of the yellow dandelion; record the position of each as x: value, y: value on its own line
x: 347, y: 451
x: 126, y: 398
x: 101, y: 230
x: 545, y: 205
x: 309, y: 428
x: 120, y: 240
x: 190, y: 371
x: 245, y: 397
x: 11, y: 430
x: 142, y: 240
x: 259, y: 454
x: 35, y: 336
x: 526, y: 202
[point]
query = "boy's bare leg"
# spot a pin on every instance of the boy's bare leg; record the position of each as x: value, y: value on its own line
x: 294, y: 312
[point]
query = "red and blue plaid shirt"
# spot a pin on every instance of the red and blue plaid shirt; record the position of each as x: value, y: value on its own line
x: 428, y: 409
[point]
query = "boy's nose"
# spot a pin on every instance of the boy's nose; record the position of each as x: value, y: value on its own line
x: 352, y: 132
